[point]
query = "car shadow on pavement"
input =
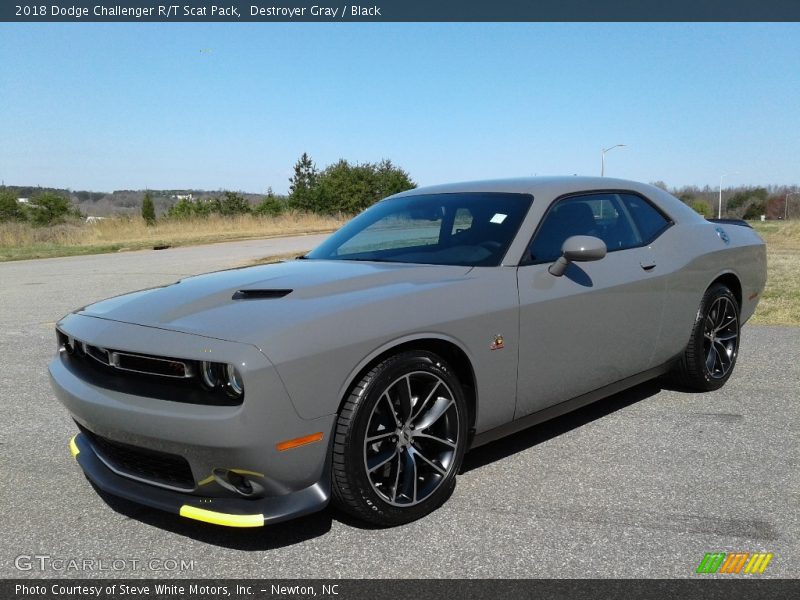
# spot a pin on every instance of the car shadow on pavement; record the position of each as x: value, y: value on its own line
x: 532, y: 436
x: 318, y: 524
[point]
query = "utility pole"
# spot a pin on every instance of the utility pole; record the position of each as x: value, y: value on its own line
x: 603, y: 158
x: 786, y: 205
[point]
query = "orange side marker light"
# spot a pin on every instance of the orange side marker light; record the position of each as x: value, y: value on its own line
x: 297, y: 442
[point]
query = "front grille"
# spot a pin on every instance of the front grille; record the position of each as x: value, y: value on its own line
x: 99, y: 354
x: 152, y: 466
x: 150, y: 365
x: 137, y: 363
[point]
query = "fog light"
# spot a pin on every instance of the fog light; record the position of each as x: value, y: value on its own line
x: 238, y: 482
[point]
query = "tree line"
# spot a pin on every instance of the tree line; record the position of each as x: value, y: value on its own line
x: 226, y: 205
x: 341, y: 188
x: 745, y: 202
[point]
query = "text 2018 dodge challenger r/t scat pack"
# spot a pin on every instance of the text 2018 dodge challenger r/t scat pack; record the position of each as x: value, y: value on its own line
x: 437, y: 320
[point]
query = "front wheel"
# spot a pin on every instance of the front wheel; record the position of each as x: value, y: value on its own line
x: 399, y: 440
x: 708, y: 360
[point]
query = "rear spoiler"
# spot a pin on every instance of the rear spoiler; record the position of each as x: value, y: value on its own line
x: 738, y: 222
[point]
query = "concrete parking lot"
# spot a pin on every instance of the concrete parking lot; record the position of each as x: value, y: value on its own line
x: 642, y: 484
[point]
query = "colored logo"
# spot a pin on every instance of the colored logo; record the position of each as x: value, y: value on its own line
x: 498, y: 343
x: 734, y: 562
x: 723, y: 235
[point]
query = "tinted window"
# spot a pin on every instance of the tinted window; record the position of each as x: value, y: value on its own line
x: 620, y: 220
x: 397, y: 230
x: 646, y: 219
x: 472, y: 229
x: 598, y: 215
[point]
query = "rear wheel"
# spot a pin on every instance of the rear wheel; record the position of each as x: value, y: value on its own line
x: 710, y: 355
x: 400, y: 439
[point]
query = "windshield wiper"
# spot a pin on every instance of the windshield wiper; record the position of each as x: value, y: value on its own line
x: 380, y: 260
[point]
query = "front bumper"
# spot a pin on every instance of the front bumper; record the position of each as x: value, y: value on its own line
x: 200, y: 440
x: 231, y: 512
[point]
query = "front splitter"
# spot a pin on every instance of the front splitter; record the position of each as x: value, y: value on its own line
x: 229, y: 512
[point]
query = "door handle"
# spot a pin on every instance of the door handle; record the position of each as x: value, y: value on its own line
x: 648, y: 264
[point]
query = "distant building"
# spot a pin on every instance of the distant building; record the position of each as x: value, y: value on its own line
x: 24, y: 200
x: 184, y: 197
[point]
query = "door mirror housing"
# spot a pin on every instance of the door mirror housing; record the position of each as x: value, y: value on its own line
x: 578, y: 248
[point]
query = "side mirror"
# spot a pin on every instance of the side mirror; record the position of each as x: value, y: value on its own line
x: 578, y: 248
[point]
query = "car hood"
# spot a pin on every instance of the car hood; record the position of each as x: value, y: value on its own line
x: 246, y: 304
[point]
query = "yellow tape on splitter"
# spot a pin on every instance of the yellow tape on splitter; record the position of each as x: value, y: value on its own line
x: 73, y: 447
x: 218, y: 518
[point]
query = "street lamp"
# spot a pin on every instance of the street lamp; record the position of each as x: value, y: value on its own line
x: 603, y: 158
x: 786, y: 205
x: 719, y: 215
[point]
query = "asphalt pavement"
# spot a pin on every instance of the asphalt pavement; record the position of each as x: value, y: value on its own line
x: 642, y: 484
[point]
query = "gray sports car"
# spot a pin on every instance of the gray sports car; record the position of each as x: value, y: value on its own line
x: 437, y: 320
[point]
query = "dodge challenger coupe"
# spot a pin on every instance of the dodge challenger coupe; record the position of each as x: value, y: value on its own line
x: 439, y: 319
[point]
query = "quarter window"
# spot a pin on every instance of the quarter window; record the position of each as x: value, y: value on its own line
x: 647, y: 220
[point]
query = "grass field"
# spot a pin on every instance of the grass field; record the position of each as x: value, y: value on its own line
x: 780, y: 302
x: 21, y: 241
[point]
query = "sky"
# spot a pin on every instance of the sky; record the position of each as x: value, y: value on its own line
x: 95, y: 106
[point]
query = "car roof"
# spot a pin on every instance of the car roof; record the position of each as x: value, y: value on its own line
x: 551, y: 187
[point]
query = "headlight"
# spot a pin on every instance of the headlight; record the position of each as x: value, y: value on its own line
x: 65, y: 343
x: 221, y: 376
x: 235, y: 380
x: 209, y: 371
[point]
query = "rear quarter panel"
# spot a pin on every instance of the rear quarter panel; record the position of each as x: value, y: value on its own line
x: 696, y: 256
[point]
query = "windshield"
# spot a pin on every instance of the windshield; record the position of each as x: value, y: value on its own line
x: 471, y: 229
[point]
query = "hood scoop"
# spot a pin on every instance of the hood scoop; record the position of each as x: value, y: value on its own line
x: 260, y: 294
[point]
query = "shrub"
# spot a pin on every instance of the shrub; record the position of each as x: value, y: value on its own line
x: 148, y: 209
x: 270, y: 206
x: 49, y: 208
x: 702, y: 208
x: 10, y: 210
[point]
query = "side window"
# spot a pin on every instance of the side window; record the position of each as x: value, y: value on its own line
x: 620, y: 220
x: 598, y: 215
x: 647, y: 221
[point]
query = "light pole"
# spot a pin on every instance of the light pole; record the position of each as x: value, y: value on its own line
x: 719, y: 215
x: 603, y: 158
x: 786, y: 205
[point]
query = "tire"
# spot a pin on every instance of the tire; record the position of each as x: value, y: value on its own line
x: 710, y: 355
x: 399, y: 440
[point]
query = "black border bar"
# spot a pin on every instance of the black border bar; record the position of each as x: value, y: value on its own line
x: 401, y: 11
x: 705, y: 587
